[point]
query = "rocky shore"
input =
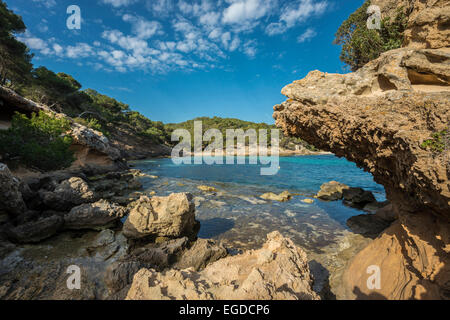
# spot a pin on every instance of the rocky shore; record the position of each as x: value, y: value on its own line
x: 383, y: 117
x: 121, y: 238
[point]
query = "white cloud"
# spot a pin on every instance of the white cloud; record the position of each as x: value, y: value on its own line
x: 307, y: 35
x: 234, y: 44
x: 296, y: 13
x: 210, y: 18
x: 301, y: 11
x: 142, y: 28
x: 160, y: 7
x: 215, y: 33
x: 80, y: 50
x: 45, y: 47
x: 46, y: 3
x: 58, y: 49
x: 250, y: 48
x: 276, y: 28
x: 119, y: 3
x: 226, y: 37
x: 246, y: 10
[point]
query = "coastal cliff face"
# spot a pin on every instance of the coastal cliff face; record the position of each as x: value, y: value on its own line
x: 428, y: 23
x: 392, y: 119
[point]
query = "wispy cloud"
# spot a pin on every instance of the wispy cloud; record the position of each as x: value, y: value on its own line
x: 307, y: 35
x: 119, y: 3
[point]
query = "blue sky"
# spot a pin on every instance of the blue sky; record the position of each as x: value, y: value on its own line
x: 174, y: 60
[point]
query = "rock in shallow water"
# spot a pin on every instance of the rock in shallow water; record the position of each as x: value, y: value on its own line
x: 279, y: 270
x: 331, y: 191
x: 282, y: 197
x: 358, y: 196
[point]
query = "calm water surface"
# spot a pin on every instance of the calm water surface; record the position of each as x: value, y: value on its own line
x: 238, y: 216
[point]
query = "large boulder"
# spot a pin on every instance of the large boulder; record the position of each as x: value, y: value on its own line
x: 97, y: 215
x: 172, y: 216
x: 279, y: 270
x: 358, y: 196
x: 36, y: 231
x: 11, y: 200
x: 68, y: 194
x: 332, y: 191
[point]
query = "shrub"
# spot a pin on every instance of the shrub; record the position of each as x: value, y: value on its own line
x: 360, y: 44
x: 37, y: 142
x: 437, y: 142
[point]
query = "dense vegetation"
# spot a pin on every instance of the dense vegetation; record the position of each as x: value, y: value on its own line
x: 222, y: 124
x: 62, y: 93
x: 360, y: 44
x: 15, y: 58
x: 37, y: 142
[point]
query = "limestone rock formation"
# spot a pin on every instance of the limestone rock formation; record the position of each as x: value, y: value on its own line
x: 428, y: 23
x: 94, y: 140
x: 11, y: 200
x: 279, y: 270
x: 172, y: 216
x: 392, y: 118
x: 412, y: 256
x: 68, y: 194
x: 97, y: 215
x: 39, y: 271
x: 202, y: 253
x: 282, y: 197
x: 331, y: 191
x: 36, y: 231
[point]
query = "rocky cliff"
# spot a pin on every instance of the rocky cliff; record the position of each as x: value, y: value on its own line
x: 392, y: 118
x: 428, y: 22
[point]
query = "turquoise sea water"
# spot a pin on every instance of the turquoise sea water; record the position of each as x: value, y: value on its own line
x: 238, y: 216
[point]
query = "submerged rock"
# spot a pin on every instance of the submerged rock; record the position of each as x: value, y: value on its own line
x: 279, y: 270
x: 172, y: 216
x: 207, y: 189
x: 282, y: 197
x: 96, y: 215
